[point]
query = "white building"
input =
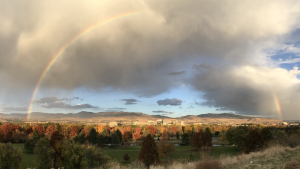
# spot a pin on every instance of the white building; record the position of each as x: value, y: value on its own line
x: 113, y: 124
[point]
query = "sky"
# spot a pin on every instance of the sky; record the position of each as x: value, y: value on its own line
x: 168, y: 57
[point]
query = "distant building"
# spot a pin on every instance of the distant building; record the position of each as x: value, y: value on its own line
x: 160, y: 122
x: 113, y: 124
x: 285, y: 123
x: 182, y: 123
x: 174, y: 122
x: 150, y: 122
x: 135, y: 123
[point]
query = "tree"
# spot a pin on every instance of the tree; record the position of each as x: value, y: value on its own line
x: 165, y: 148
x: 146, y: 133
x: 126, y: 157
x: 200, y: 139
x: 74, y: 156
x: 152, y: 130
x: 185, y: 139
x: 165, y: 135
x: 74, y: 131
x: 95, y: 157
x: 40, y: 129
x: 223, y: 137
x: 99, y: 128
x: 148, y: 153
x: 86, y: 132
x: 10, y: 157
x: 115, y: 140
x: 119, y: 133
x: 28, y: 130
x: 54, y: 140
x: 30, y: 143
x: 50, y: 129
x: 92, y: 136
x: 44, y: 152
x: 137, y: 135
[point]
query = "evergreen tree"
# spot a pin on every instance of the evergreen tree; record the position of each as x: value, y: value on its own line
x: 92, y: 136
x: 115, y: 140
x: 119, y: 134
x: 148, y: 153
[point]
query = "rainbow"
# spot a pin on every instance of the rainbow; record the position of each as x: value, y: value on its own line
x: 277, y: 105
x: 66, y: 45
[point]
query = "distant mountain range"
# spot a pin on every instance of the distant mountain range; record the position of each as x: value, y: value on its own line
x: 105, y: 117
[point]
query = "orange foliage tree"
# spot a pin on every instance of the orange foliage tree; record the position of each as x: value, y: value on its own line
x: 74, y: 131
x: 137, y: 135
x: 152, y: 130
x: 99, y: 128
x: 50, y: 129
x: 39, y: 128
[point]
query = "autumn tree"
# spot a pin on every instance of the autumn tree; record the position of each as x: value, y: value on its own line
x: 86, y: 132
x: 137, y: 135
x: 74, y: 131
x: 28, y: 130
x: 40, y: 129
x: 99, y: 128
x: 165, y: 148
x: 50, y: 129
x: 200, y: 139
x: 152, y: 130
x: 223, y: 137
x: 148, y: 153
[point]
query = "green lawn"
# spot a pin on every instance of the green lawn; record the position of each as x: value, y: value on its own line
x: 181, y: 152
x: 27, y: 157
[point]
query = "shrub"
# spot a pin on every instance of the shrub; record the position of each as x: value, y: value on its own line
x: 126, y: 157
x: 95, y: 157
x: 9, y: 156
x: 293, y: 140
x: 293, y: 164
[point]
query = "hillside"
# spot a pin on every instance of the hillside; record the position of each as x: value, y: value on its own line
x: 104, y: 117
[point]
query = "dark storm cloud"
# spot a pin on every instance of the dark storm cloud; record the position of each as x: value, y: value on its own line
x: 134, y: 53
x: 163, y: 112
x: 172, y: 102
x: 177, y: 73
x: 130, y: 101
x: 54, y: 102
x: 11, y: 109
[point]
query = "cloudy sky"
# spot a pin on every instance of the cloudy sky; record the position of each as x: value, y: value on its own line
x: 168, y: 57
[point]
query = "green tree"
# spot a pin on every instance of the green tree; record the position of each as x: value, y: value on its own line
x: 74, y: 156
x: 185, y: 139
x: 93, y: 136
x: 148, y: 153
x: 115, y: 140
x: 119, y: 134
x: 30, y: 143
x: 10, y: 157
x: 95, y: 157
x: 44, y: 152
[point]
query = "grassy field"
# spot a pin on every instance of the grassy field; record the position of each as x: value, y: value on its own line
x: 181, y: 152
x: 27, y: 157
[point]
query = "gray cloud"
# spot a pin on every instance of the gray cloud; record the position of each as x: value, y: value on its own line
x: 177, y: 73
x: 116, y: 108
x: 250, y: 89
x: 11, y: 109
x: 130, y: 101
x: 163, y: 112
x: 54, y: 102
x: 172, y: 102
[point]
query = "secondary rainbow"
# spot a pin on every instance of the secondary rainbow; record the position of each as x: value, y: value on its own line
x: 66, y: 45
x: 277, y: 105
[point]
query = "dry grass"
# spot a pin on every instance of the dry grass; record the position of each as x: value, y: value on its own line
x: 293, y: 164
x: 240, y: 161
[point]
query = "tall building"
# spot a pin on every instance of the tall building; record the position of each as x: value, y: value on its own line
x: 182, y: 123
x: 160, y: 122
x: 150, y: 122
